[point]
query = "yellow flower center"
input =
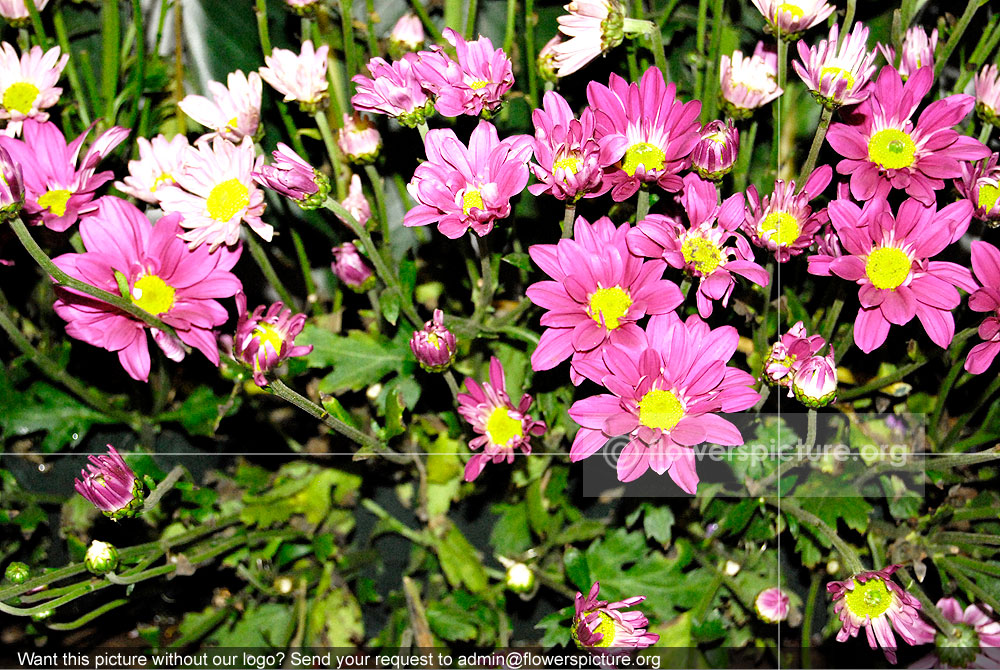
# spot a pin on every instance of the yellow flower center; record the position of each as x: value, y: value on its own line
x: 988, y: 196
x: 501, y: 427
x: 268, y: 334
x: 227, y: 199
x: 233, y: 123
x: 872, y: 598
x: 608, y: 305
x: 164, y: 178
x: 719, y: 137
x: 606, y: 629
x: 434, y: 340
x: 55, y: 201
x: 887, y: 267
x: 478, y: 84
x: 650, y: 157
x: 570, y: 163
x: 703, y: 254
x: 152, y: 294
x: 892, y: 149
x: 660, y: 409
x: 792, y: 9
x: 471, y: 198
x: 20, y: 97
x: 781, y: 228
x: 835, y: 73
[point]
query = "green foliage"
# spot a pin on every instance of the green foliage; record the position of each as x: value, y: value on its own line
x: 300, y: 488
x: 43, y: 408
x: 358, y: 359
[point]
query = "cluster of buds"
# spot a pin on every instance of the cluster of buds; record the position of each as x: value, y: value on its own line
x: 794, y: 364
x: 291, y: 176
x: 111, y: 485
x: 715, y: 153
x: 101, y: 558
x: 434, y: 346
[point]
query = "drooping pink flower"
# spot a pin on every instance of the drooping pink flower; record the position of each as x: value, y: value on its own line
x: 434, y: 346
x: 163, y: 277
x: 356, y: 203
x: 788, y: 20
x: 110, y: 485
x: 918, y: 51
x: 299, y: 76
x: 158, y: 163
x: 593, y: 27
x: 264, y: 340
x: 394, y: 90
x: 977, y: 640
x: 568, y: 163
x: 890, y: 258
x: 646, y: 135
x: 359, y: 139
x: 708, y: 248
x: 987, y: 84
x: 838, y: 76
x: 598, y: 624
x: 407, y: 34
x: 28, y: 84
x: 784, y: 222
x: 871, y: 600
x: 980, y: 184
x: 234, y: 110
x: 474, y: 84
x: 715, y: 153
x: 58, y: 184
x: 215, y: 192
x: 789, y: 353
x: 501, y: 427
x: 599, y: 292
x: 772, y: 605
x: 291, y: 176
x: 886, y: 150
x: 16, y: 13
x: 351, y: 268
x: 986, y: 298
x: 664, y: 396
x: 461, y: 188
x: 748, y: 83
x: 11, y: 187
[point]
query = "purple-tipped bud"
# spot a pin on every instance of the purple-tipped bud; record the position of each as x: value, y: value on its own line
x: 351, y: 268
x: 815, y: 383
x: 111, y: 486
x: 359, y: 140
x: 264, y: 340
x: 434, y: 346
x: 715, y: 153
x: 11, y: 186
x: 294, y: 178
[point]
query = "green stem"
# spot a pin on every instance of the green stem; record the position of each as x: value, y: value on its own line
x: 941, y: 58
x: 810, y: 430
x: 659, y: 53
x: 531, y: 55
x: 956, y: 537
x: 927, y: 606
x: 710, y: 96
x: 312, y: 300
x: 747, y: 140
x: 955, y: 571
x: 511, y: 29
x: 110, y: 55
x: 89, y: 616
x: 372, y: 36
x: 846, y: 551
x: 347, y: 27
x: 824, y: 125
x: 264, y: 263
x: 778, y: 104
x: 484, y: 297
x: 422, y: 129
x: 36, y: 23
x: 807, y: 621
x: 470, y: 19
x: 140, y: 63
x: 163, y: 487
x: 642, y: 205
x: 569, y: 216
x: 397, y: 526
x: 82, y: 108
x: 830, y: 322
x: 449, y: 378
x: 984, y: 134
x: 702, y: 62
x: 965, y: 418
x: 278, y: 388
x: 949, y: 381
x: 883, y: 381
x: 380, y: 208
x: 453, y: 14
x: 848, y: 20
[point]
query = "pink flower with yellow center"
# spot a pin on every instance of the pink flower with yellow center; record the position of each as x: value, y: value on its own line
x: 159, y: 160
x: 986, y: 298
x: 709, y: 248
x: 216, y: 192
x: 748, y: 83
x: 918, y: 51
x: 394, y: 90
x: 788, y: 19
x: 299, y: 76
x: 474, y: 84
x: 980, y: 184
x: 889, y: 257
x: 110, y: 485
x: 461, y: 187
x: 598, y: 293
x: 568, y: 163
x: 264, y: 340
x: 987, y: 85
x: 149, y: 265
x: 837, y: 76
x: 664, y: 396
x: 887, y: 151
x: 234, y: 110
x: 789, y: 353
x: 784, y: 222
x: 598, y: 624
x: 58, y: 184
x: 502, y: 428
x: 646, y: 135
x: 28, y: 84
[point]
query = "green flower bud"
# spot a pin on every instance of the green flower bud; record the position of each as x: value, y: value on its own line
x: 17, y: 572
x: 101, y: 557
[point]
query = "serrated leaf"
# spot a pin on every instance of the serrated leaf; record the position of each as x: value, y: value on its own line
x: 459, y: 561
x: 45, y: 408
x: 556, y: 627
x: 358, y: 360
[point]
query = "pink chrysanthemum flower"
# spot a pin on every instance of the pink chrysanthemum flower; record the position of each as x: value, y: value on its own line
x: 598, y: 624
x: 28, y: 84
x: 835, y: 76
x: 434, y: 346
x: 890, y: 259
x: 216, y: 192
x: 291, y: 176
x: 599, y: 292
x: 788, y: 20
x: 351, y: 268
x: 977, y: 640
x: 59, y: 184
x: 873, y: 601
x: 748, y: 83
x: 568, y: 157
x: 110, y: 485
x: 772, y: 605
x: 299, y: 76
x: 646, y: 135
x: 789, y: 353
x: 987, y: 84
x: 664, y: 395
x: 715, y: 153
x: 886, y: 150
x: 784, y: 222
x: 407, y: 34
x: 593, y: 27
x: 918, y: 51
x: 986, y: 298
x: 356, y: 203
x: 394, y: 90
x: 461, y: 188
x: 264, y: 340
x: 11, y: 188
x: 359, y: 139
x: 159, y: 161
x: 980, y: 184
x: 15, y: 12
x: 474, y: 84
x: 234, y: 110
x: 163, y: 277
x: 709, y: 248
x: 502, y: 428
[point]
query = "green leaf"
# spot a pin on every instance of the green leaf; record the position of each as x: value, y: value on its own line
x: 393, y: 417
x: 658, y: 523
x: 301, y: 488
x: 200, y: 411
x: 459, y: 561
x: 444, y: 474
x: 269, y: 626
x: 449, y: 621
x: 556, y: 627
x: 519, y: 259
x: 44, y: 408
x: 408, y: 278
x: 335, y: 620
x: 338, y: 411
x: 388, y: 301
x: 577, y: 570
x: 510, y: 534
x: 358, y: 360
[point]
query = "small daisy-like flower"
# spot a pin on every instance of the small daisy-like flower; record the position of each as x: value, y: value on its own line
x: 789, y: 353
x: 110, y: 485
x: 772, y: 605
x: 394, y: 90
x: 291, y: 176
x: 748, y: 83
x: 788, y: 19
x: 976, y: 643
x: 359, y: 140
x: 709, y: 248
x: 28, y: 84
x: 598, y: 624
x: 11, y: 187
x: 15, y: 12
x: 593, y: 27
x: 58, y: 184
x: 987, y: 85
x: 216, y: 192
x: 980, y: 184
x: 568, y: 163
x: 351, y: 268
x: 664, y: 395
x: 356, y: 203
x: 646, y: 134
x: 234, y: 110
x: 474, y: 84
x: 407, y: 35
x: 814, y: 383
x: 434, y: 346
x: 299, y: 76
x: 986, y: 298
x: 159, y: 160
x: 264, y: 340
x: 918, y: 51
x: 886, y: 150
x: 837, y: 76
x: 545, y: 63
x: 502, y: 428
x: 784, y: 222
x: 715, y: 153
x: 871, y: 600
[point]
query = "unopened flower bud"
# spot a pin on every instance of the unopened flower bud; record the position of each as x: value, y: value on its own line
x: 17, y: 572
x: 407, y: 35
x: 11, y: 187
x: 715, y: 153
x: 520, y: 578
x: 815, y: 383
x: 772, y: 605
x: 546, y: 64
x: 359, y: 140
x: 111, y: 485
x: 434, y: 346
x: 291, y: 176
x: 351, y: 268
x: 101, y: 558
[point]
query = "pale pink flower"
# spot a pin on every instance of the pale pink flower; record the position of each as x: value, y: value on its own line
x: 28, y: 84
x: 234, y: 110
x: 11, y: 188
x: 748, y: 82
x: 351, y: 268
x: 356, y: 203
x: 815, y: 382
x: 359, y: 139
x: 976, y: 643
x: 772, y: 605
x: 837, y: 76
x: 987, y: 84
x: 393, y: 89
x: 159, y: 161
x: 434, y: 346
x: 593, y: 27
x: 299, y: 76
x: 918, y: 51
x: 408, y: 33
x: 789, y: 19
x: 16, y: 11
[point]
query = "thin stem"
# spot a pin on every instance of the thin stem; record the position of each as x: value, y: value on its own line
x: 807, y: 621
x: 529, y: 48
x: 422, y: 129
x: 659, y: 53
x: 264, y: 263
x: 396, y: 525
x: 956, y: 537
x: 702, y: 63
x: 36, y: 23
x: 927, y: 606
x: 383, y: 217
x: 421, y: 11
x: 946, y: 385
x: 333, y: 151
x: 82, y: 108
x: 312, y: 300
x: 810, y: 430
x: 163, y: 487
x: 453, y: 14
x: 642, y: 205
x: 569, y: 216
x: 747, y: 140
x: 941, y: 58
x: 178, y: 86
x: 778, y: 104
x: 140, y: 62
x: 846, y: 551
x: 110, y: 55
x: 710, y: 97
x: 883, y: 381
x: 965, y: 418
x: 371, y: 15
x: 824, y: 125
x: 848, y: 20
x: 830, y: 322
x: 984, y: 134
x: 278, y: 388
x: 484, y: 298
x: 452, y: 385
x: 347, y: 26
x: 511, y: 25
